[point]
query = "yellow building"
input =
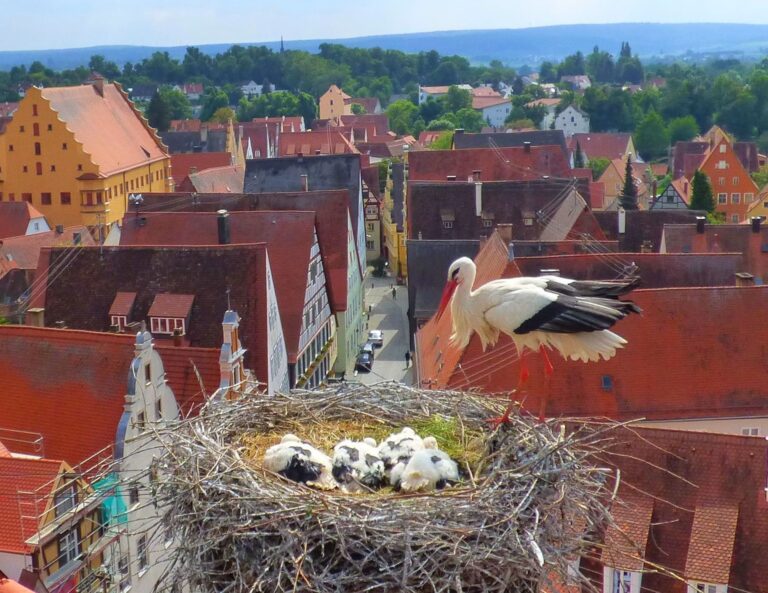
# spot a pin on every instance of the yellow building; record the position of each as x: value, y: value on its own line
x: 334, y: 103
x: 77, y: 153
x: 393, y: 222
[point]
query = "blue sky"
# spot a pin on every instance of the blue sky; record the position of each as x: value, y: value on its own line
x: 49, y: 24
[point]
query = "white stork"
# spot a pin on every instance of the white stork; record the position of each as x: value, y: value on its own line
x: 537, y: 313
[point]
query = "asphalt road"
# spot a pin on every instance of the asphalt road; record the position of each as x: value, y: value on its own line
x: 389, y: 315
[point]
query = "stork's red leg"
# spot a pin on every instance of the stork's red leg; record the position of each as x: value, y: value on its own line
x: 548, y: 368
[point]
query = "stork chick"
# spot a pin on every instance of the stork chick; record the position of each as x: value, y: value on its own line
x: 300, y: 462
x: 429, y: 469
x: 357, y: 465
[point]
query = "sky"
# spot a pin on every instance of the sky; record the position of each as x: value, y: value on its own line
x: 53, y: 24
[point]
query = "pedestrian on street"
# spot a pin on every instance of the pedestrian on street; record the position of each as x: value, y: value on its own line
x: 394, y: 292
x: 407, y: 358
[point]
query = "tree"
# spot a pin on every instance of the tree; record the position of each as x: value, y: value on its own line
x: 159, y: 112
x: 578, y: 157
x: 457, y: 99
x: 548, y: 72
x: 223, y: 115
x: 443, y: 142
x: 178, y: 104
x: 628, y: 197
x: 469, y: 119
x: 441, y: 124
x: 402, y: 115
x: 572, y: 65
x: 358, y: 109
x: 760, y: 177
x: 598, y: 166
x: 212, y: 102
x: 682, y: 129
x: 651, y: 137
x: 701, y: 193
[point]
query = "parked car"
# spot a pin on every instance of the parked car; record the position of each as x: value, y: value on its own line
x: 369, y: 348
x: 376, y: 337
x: 364, y: 362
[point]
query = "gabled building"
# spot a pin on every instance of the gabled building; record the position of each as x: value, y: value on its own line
x: 602, y: 145
x: 732, y: 187
x: 333, y: 104
x: 572, y: 120
x: 21, y: 218
x: 613, y: 182
x: 509, y: 139
x: 313, y: 144
x: 221, y: 277
x: 296, y: 269
x: 77, y: 153
x: 338, y: 250
x: 642, y: 230
x: 675, y: 196
x: 190, y: 163
x: 494, y: 110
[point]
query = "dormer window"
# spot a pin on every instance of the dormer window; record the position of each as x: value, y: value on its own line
x: 120, y: 313
x: 169, y: 314
x: 448, y: 217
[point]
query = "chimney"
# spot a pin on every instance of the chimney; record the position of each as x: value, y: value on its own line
x: 305, y: 181
x: 458, y: 131
x: 549, y: 272
x: 192, y: 170
x: 622, y: 221
x: 178, y: 335
x: 654, y: 187
x: 476, y: 175
x: 511, y: 252
x: 478, y: 198
x: 505, y: 231
x: 700, y: 222
x: 223, y: 221
x: 98, y: 84
x: 59, y: 229
x: 526, y: 146
x: 744, y: 279
x: 756, y: 221
x: 450, y: 177
x: 35, y: 317
x: 317, y: 151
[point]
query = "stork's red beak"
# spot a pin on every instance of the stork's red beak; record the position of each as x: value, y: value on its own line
x: 450, y: 288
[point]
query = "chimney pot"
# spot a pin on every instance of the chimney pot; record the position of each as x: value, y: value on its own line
x: 744, y: 279
x: 178, y: 335
x: 700, y: 222
x: 450, y: 177
x: 756, y: 222
x: 477, y: 175
x: 305, y: 181
x: 223, y: 226
x: 526, y: 146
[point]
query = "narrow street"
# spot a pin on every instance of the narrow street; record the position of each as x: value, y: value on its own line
x: 390, y: 316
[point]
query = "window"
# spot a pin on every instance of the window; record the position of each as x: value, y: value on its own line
x: 159, y: 409
x: 487, y: 222
x: 607, y: 382
x: 34, y: 109
x: 722, y: 149
x: 735, y: 181
x: 721, y: 165
x: 10, y: 148
x: 528, y: 221
x: 705, y: 588
x: 69, y: 544
x: 118, y: 321
x: 750, y: 432
x: 63, y: 146
x: 37, y: 149
x: 45, y: 198
x: 64, y: 499
x: 735, y: 198
x: 722, y: 198
x: 142, y: 552
x: 670, y: 199
x: 21, y: 129
x: 749, y: 197
x: 622, y: 581
x: 369, y: 245
x: 447, y: 224
x: 123, y: 568
x: 36, y: 129
x: 165, y: 325
x: 721, y: 180
x: 65, y: 197
x: 24, y: 169
x: 735, y: 218
x: 50, y: 127
x: 141, y: 421
x: 133, y: 495
x: 53, y: 168
x: 11, y: 196
x: 27, y: 197
x: 38, y: 168
x: 148, y: 373
x: 99, y: 197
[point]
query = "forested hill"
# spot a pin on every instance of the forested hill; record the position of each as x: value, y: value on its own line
x: 511, y: 46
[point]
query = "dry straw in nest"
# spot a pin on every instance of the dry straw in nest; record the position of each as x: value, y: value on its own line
x: 531, y: 496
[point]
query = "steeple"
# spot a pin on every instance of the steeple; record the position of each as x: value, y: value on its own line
x: 282, y: 46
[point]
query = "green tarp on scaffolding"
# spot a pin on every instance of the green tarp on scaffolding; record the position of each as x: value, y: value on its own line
x: 113, y: 508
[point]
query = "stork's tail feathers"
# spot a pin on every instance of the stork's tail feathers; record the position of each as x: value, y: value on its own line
x: 587, y: 346
x: 608, y: 288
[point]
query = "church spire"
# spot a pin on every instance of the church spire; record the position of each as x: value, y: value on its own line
x: 282, y: 47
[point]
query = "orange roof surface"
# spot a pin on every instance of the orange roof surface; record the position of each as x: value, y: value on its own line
x: 15, y: 217
x: 309, y: 143
x: 544, y: 103
x: 219, y: 180
x: 183, y: 163
x: 123, y: 303
x: 20, y: 476
x: 11, y: 586
x: 484, y: 102
x: 25, y: 250
x: 110, y: 129
x: 625, y: 542
x: 55, y: 382
x: 171, y: 305
x: 604, y: 145
x: 4, y: 451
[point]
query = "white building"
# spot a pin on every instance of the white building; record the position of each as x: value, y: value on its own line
x: 571, y: 120
x: 495, y: 110
x: 251, y: 89
x: 435, y: 92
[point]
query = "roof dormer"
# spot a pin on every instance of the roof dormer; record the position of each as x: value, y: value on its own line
x: 169, y: 314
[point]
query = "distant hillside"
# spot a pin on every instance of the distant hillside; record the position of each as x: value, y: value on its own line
x: 512, y: 46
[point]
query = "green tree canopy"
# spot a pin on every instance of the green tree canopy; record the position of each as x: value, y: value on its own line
x: 598, y: 166
x: 213, y: 101
x: 651, y: 137
x: 701, y: 193
x: 628, y: 196
x: 402, y: 116
x: 159, y: 112
x: 177, y: 102
x: 457, y: 99
x: 682, y: 129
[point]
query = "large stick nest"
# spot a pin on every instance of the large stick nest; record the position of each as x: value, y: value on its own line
x: 531, y: 493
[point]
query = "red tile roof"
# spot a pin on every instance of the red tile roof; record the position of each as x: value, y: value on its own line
x: 19, y: 477
x: 7, y: 109
x: 219, y: 180
x: 15, y: 217
x: 25, y: 250
x: 184, y: 163
x: 123, y: 304
x: 329, y: 206
x: 485, y: 91
x: 9, y: 586
x: 182, y: 365
x: 55, y: 382
x: 171, y: 305
x: 377, y: 124
x: 544, y: 103
x: 311, y: 143
x: 287, y: 234
x: 722, y: 379
x: 110, y: 129
x: 4, y: 451
x: 510, y: 163
x: 485, y: 102
x: 625, y: 542
x: 710, y: 515
x: 601, y: 145
x: 185, y: 125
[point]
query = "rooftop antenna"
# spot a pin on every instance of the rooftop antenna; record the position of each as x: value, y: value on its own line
x: 229, y: 304
x: 282, y: 46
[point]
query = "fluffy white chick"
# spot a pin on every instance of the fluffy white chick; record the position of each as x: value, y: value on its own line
x: 300, y: 462
x: 429, y: 469
x: 357, y: 465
